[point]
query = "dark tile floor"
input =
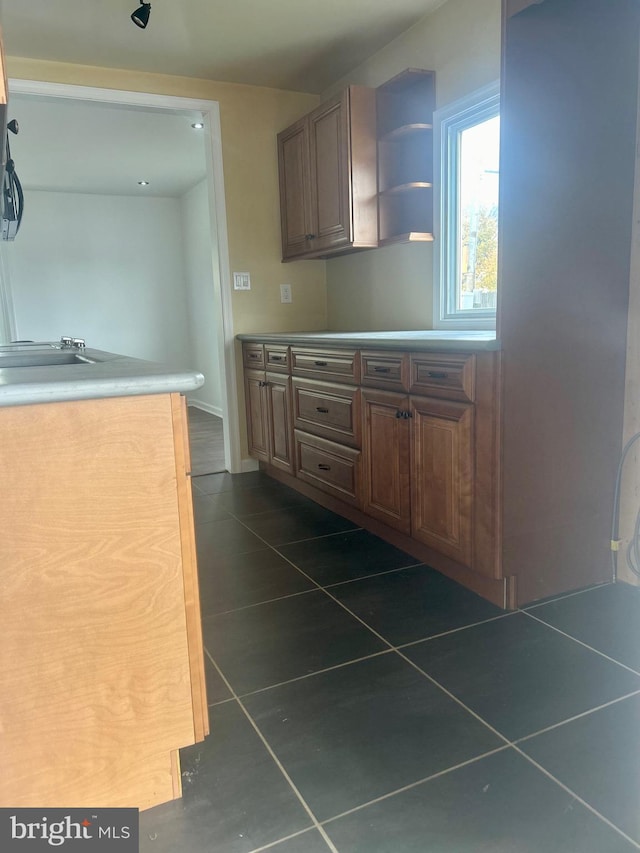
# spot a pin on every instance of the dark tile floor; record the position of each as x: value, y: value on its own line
x: 361, y: 703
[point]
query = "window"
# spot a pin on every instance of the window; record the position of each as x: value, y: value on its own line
x: 467, y: 152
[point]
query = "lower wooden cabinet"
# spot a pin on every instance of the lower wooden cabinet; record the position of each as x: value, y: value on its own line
x: 418, y: 463
x: 405, y: 444
x: 386, y: 463
x: 331, y: 467
x: 269, y: 421
x: 442, y: 481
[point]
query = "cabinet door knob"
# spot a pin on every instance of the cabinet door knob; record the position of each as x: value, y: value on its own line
x: 262, y: 384
x: 309, y: 236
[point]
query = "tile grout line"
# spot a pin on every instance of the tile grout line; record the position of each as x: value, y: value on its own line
x: 257, y: 603
x: 277, y: 761
x: 329, y: 586
x: 455, y: 630
x: 326, y: 589
x: 577, y: 717
x: 562, y: 597
x: 393, y: 649
x: 313, y: 674
x: 506, y: 745
x: 282, y: 840
x: 576, y: 796
x: 581, y: 643
x: 416, y: 784
x: 372, y: 575
x: 507, y: 742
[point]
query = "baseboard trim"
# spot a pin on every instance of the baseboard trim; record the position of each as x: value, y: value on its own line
x: 205, y: 407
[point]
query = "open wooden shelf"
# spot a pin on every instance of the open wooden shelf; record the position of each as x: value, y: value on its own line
x: 405, y: 188
x: 405, y: 107
x: 405, y: 130
x: 408, y: 237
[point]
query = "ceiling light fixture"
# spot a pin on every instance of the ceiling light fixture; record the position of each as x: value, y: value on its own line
x: 143, y: 183
x: 141, y: 16
x: 197, y: 125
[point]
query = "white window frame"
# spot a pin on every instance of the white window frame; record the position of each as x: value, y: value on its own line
x: 479, y: 106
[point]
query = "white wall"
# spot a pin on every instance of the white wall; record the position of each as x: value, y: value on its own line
x: 105, y: 268
x: 203, y: 306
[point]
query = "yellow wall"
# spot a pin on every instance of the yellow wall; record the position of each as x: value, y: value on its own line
x: 250, y: 118
x: 460, y: 41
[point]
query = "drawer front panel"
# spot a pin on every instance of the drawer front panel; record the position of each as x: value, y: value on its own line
x: 385, y: 370
x: 332, y: 365
x: 330, y: 411
x: 277, y: 358
x: 328, y: 466
x: 451, y: 377
x: 253, y: 355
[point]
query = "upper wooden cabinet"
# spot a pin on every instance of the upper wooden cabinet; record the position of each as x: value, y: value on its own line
x: 405, y: 107
x: 328, y: 186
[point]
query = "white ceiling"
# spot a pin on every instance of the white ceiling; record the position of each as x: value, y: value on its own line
x: 77, y: 146
x: 73, y: 146
x: 302, y: 45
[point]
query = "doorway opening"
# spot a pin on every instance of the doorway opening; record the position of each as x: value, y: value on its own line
x: 172, y: 307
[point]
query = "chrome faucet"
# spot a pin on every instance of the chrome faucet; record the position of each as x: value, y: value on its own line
x: 71, y: 343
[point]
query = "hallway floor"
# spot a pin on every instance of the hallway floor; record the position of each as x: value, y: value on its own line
x: 362, y: 703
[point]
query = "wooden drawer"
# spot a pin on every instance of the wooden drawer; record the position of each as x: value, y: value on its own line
x: 253, y: 355
x: 331, y: 365
x: 328, y: 410
x: 385, y: 370
x: 328, y: 466
x: 277, y: 358
x: 447, y: 375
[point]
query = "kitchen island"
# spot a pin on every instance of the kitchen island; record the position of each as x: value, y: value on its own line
x: 102, y: 657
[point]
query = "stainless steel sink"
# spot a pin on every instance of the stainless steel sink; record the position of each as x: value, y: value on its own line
x: 42, y: 358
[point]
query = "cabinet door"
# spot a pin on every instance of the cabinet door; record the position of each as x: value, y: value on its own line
x: 330, y: 173
x: 255, y: 392
x: 295, y: 195
x: 442, y: 476
x: 386, y: 445
x: 280, y: 422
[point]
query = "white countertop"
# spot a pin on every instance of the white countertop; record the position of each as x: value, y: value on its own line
x: 432, y: 339
x: 97, y: 374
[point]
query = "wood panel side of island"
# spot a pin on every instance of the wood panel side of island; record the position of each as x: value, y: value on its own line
x: 99, y: 664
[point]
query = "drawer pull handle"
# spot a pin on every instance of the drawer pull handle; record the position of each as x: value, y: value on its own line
x: 320, y: 363
x: 277, y: 358
x: 437, y: 374
x: 382, y: 369
x: 322, y: 409
x: 324, y: 467
x: 254, y: 355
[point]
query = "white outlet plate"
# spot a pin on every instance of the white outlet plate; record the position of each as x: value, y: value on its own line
x: 241, y: 281
x: 285, y: 293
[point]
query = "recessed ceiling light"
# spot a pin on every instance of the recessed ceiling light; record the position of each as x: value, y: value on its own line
x: 143, y: 183
x: 197, y: 125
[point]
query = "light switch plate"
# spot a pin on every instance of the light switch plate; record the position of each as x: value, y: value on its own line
x: 241, y: 281
x: 285, y: 293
